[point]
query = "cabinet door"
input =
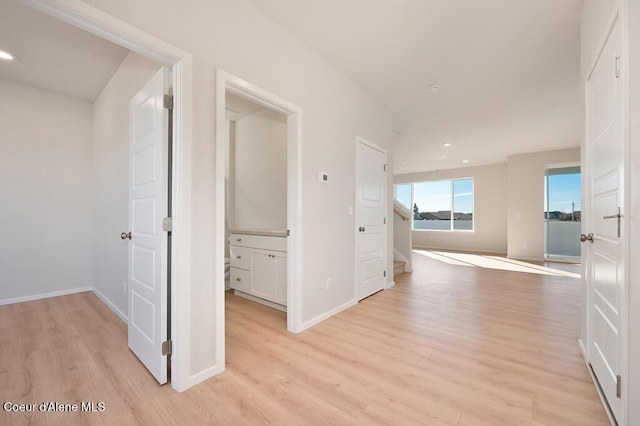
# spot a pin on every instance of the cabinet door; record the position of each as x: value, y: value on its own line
x: 240, y: 280
x: 280, y: 277
x: 262, y: 273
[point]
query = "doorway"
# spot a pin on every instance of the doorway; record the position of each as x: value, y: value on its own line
x: 257, y: 246
x: 107, y: 27
x: 562, y: 213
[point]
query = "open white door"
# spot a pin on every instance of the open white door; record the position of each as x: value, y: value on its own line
x: 371, y: 195
x: 605, y: 250
x: 148, y: 205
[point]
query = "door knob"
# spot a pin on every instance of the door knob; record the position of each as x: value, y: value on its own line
x: 125, y: 235
x: 585, y: 238
x: 361, y: 229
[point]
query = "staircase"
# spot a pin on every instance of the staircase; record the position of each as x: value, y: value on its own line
x: 398, y: 267
x: 402, y: 241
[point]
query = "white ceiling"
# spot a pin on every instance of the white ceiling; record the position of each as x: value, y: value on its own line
x: 55, y: 56
x: 508, y: 71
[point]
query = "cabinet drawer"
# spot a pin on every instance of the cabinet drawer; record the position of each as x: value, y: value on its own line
x: 240, y: 280
x: 240, y: 257
x: 269, y: 243
x: 241, y: 240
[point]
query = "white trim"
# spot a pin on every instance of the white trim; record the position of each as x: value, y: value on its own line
x: 583, y: 350
x: 387, y: 207
x: 110, y: 305
x: 33, y: 297
x: 113, y: 29
x: 202, y: 376
x: 226, y: 81
x: 528, y: 259
x: 389, y: 284
x: 328, y: 314
x: 399, y: 256
x: 464, y: 250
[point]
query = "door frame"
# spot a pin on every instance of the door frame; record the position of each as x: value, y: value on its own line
x: 617, y: 15
x: 226, y: 81
x: 387, y: 281
x: 97, y: 22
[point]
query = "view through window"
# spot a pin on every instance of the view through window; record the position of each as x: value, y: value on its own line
x: 562, y: 212
x: 443, y: 205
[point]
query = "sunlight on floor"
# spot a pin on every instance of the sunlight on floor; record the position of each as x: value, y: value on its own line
x: 493, y: 262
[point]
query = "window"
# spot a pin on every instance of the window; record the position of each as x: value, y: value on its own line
x: 403, y: 194
x: 444, y: 205
x: 562, y: 212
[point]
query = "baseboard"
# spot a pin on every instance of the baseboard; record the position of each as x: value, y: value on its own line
x: 327, y: 315
x: 527, y: 259
x: 111, y: 306
x: 461, y: 250
x: 44, y: 295
x: 390, y: 284
x: 583, y: 350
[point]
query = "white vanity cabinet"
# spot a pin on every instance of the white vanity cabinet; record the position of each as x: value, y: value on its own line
x: 259, y: 266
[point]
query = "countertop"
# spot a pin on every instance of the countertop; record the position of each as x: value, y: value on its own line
x: 264, y: 232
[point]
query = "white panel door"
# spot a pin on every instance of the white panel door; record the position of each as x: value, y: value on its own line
x: 148, y: 193
x: 371, y: 187
x: 605, y: 274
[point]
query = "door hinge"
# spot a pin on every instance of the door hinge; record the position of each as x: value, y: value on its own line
x: 384, y: 273
x: 167, y: 224
x: 385, y: 167
x: 168, y: 101
x: 617, y: 66
x: 288, y: 233
x: 619, y: 386
x: 384, y: 220
x: 167, y: 347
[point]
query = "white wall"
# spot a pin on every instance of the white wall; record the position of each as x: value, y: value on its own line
x: 45, y: 188
x: 111, y: 178
x: 238, y: 37
x: 260, y: 171
x: 490, y: 210
x: 525, y: 200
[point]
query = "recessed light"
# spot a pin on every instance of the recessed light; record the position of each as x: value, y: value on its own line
x: 5, y: 55
x: 465, y: 161
x: 434, y: 88
x: 446, y: 144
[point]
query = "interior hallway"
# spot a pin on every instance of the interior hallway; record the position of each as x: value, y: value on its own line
x: 449, y: 344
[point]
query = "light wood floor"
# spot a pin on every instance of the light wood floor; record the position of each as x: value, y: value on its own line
x: 449, y: 345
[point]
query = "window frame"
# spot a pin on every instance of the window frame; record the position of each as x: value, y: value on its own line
x: 452, y: 221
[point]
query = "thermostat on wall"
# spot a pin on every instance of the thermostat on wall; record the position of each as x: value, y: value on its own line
x: 323, y: 177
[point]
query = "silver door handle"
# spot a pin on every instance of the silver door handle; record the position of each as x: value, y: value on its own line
x: 125, y: 235
x: 585, y: 238
x: 615, y: 216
